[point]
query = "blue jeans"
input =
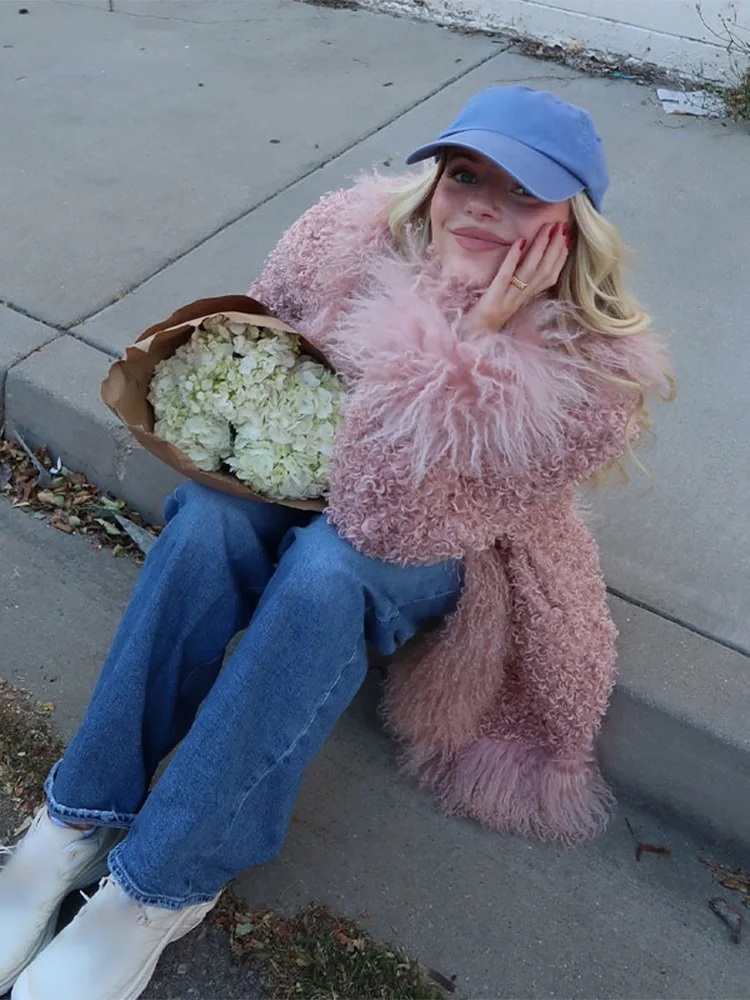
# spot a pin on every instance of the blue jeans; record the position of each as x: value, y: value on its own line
x: 309, y: 603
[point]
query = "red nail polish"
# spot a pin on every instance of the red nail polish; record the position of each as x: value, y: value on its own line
x: 523, y: 244
x: 565, y: 229
x: 553, y: 231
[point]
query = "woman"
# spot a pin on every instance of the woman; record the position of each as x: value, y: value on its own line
x: 493, y: 361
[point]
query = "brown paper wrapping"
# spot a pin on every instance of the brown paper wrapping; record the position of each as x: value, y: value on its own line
x: 125, y: 389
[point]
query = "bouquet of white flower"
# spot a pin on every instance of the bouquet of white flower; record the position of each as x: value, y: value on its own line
x: 232, y: 398
x: 245, y: 396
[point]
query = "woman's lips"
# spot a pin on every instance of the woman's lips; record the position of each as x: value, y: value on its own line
x: 477, y: 239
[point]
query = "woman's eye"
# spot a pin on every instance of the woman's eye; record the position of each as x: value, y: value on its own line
x: 463, y: 176
x: 522, y: 192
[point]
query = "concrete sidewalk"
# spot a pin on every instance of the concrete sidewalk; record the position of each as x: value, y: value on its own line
x: 159, y: 150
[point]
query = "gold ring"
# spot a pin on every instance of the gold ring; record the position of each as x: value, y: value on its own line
x: 515, y: 280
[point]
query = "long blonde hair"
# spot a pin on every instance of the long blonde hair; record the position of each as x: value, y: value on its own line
x: 592, y: 282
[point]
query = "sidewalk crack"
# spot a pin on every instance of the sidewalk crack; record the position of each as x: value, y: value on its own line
x: 734, y: 647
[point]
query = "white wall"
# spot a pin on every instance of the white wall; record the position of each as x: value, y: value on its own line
x: 669, y: 33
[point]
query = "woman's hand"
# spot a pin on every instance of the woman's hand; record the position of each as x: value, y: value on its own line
x: 539, y: 267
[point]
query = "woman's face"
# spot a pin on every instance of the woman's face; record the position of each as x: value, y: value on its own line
x: 478, y: 211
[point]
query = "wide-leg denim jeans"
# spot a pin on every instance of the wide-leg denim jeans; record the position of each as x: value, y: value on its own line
x: 244, y: 731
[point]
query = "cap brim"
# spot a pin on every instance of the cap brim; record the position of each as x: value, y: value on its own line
x: 540, y: 175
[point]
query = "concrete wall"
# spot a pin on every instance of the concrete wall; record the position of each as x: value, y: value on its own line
x: 669, y: 33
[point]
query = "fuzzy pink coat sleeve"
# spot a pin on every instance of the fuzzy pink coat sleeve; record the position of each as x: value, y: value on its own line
x: 448, y: 443
x: 322, y: 262
x: 289, y: 283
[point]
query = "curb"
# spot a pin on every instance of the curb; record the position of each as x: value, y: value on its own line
x: 19, y: 338
x: 675, y: 737
x: 72, y: 421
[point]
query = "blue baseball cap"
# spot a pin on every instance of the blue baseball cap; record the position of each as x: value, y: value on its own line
x: 551, y: 147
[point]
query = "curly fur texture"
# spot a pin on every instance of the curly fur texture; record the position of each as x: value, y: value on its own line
x: 518, y: 788
x: 440, y: 696
x: 469, y: 448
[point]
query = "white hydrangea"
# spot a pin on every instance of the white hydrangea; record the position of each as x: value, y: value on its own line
x: 246, y: 397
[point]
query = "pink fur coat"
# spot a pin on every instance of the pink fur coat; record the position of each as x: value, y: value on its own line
x: 469, y: 448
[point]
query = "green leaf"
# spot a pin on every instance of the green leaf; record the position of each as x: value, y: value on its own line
x: 111, y: 504
x: 242, y: 930
x: 111, y: 530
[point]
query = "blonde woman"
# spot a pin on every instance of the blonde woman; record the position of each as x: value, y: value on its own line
x: 494, y: 361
